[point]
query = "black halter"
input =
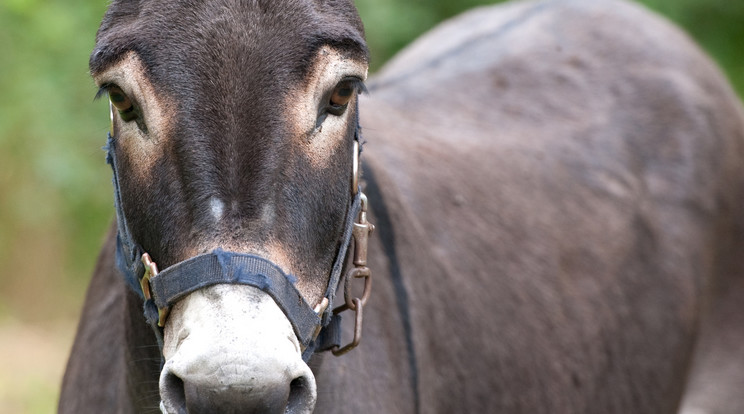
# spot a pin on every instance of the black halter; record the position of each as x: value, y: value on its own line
x: 316, y: 329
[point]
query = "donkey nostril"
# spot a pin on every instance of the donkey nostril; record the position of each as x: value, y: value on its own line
x: 172, y: 394
x: 301, y: 395
x: 181, y: 396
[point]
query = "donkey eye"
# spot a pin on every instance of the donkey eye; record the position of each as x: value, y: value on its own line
x: 122, y: 103
x: 341, y: 96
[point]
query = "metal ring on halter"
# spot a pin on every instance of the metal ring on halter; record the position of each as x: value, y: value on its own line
x: 355, y: 169
x: 111, y: 117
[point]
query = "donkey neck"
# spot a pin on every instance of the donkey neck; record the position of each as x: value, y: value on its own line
x: 114, y: 348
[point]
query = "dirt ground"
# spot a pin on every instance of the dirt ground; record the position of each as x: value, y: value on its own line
x: 32, y: 361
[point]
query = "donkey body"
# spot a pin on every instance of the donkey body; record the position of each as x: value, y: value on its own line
x: 558, y: 188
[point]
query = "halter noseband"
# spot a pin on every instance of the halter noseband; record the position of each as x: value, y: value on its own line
x: 318, y: 329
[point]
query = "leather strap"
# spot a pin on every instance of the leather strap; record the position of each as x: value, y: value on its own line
x: 221, y: 266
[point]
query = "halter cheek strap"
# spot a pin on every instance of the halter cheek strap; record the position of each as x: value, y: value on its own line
x: 316, y: 329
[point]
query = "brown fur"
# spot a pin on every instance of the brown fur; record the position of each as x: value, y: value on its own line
x: 560, y: 196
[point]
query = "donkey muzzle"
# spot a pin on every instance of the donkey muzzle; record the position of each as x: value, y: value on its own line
x: 230, y: 349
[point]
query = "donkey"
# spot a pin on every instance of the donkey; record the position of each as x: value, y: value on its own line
x: 558, y: 189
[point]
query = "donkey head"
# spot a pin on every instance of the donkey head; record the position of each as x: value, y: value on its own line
x: 233, y: 126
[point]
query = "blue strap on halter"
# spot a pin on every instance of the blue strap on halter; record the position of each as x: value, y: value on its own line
x: 221, y: 266
x: 128, y: 253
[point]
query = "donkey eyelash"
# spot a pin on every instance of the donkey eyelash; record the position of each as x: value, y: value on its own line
x: 359, y: 85
x: 357, y: 82
x: 362, y: 87
x: 103, y: 90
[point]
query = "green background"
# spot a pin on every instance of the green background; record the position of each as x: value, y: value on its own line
x: 55, y: 191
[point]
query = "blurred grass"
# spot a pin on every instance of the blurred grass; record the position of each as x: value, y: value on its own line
x: 55, y: 193
x: 31, y: 363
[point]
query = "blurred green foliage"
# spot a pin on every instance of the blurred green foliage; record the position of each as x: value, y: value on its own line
x: 54, y: 188
x: 55, y: 192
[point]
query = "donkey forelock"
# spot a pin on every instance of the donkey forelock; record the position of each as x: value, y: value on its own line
x: 226, y: 149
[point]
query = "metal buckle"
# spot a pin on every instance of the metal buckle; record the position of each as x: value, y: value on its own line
x: 358, y: 319
x: 151, y: 270
x: 361, y: 231
x: 355, y: 169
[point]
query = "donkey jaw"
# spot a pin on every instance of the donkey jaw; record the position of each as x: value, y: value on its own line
x: 229, y: 348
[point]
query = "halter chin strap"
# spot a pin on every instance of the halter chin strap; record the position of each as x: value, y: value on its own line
x: 317, y: 329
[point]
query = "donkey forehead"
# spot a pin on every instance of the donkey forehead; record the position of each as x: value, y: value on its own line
x: 191, y: 39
